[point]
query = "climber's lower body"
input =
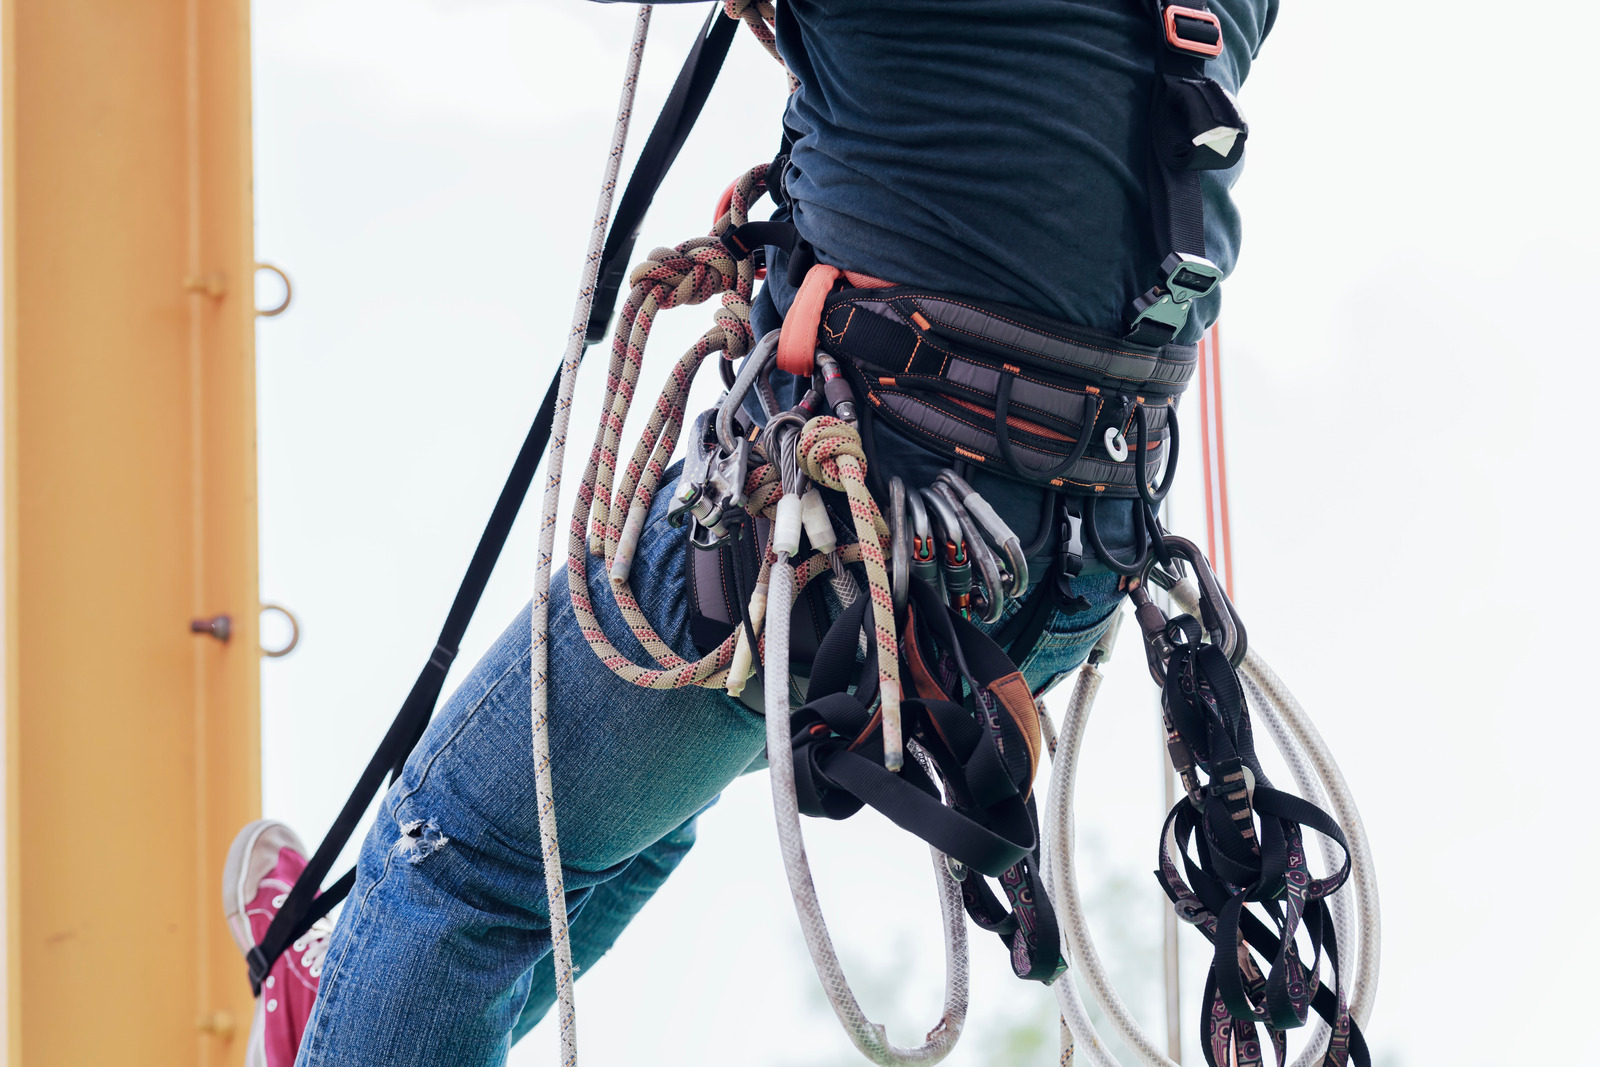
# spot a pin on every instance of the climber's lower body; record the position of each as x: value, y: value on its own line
x: 441, y: 953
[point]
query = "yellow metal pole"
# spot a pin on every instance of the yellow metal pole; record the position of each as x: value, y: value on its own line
x: 132, y: 745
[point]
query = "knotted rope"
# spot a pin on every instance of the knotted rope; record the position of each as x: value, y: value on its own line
x: 760, y: 16
x: 611, y: 511
x: 831, y: 455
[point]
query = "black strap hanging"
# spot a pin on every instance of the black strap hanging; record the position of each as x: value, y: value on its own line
x: 304, y: 906
x: 1195, y: 125
x: 1235, y: 865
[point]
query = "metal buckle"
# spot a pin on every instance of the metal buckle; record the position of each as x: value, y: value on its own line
x: 1177, y: 40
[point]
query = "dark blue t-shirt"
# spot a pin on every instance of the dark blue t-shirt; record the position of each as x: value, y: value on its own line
x: 994, y: 148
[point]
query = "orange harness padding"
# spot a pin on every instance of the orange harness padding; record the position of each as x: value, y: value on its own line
x: 797, y: 344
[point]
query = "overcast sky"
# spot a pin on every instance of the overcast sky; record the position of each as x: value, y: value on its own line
x: 1410, y: 516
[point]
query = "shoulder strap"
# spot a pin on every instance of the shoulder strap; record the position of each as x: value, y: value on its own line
x: 1195, y: 125
x: 304, y: 905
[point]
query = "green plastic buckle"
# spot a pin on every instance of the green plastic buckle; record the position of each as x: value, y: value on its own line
x: 1166, y: 306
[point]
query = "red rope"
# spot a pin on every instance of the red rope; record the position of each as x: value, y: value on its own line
x: 1214, y: 460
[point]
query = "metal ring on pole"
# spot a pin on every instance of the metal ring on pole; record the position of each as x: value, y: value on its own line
x: 294, y: 632
x: 288, y: 292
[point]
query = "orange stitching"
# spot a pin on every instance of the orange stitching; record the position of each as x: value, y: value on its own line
x: 837, y: 337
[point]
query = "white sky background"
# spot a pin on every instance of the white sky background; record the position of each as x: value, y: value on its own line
x: 1415, y: 287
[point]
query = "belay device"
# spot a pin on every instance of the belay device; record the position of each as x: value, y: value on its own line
x: 913, y: 703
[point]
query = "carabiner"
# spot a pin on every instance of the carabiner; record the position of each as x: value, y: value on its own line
x: 955, y: 567
x: 899, y: 544
x: 999, y: 535
x: 1217, y: 613
x: 924, y: 560
x: 760, y: 358
x: 991, y: 604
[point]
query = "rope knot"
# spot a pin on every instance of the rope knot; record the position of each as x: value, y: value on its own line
x: 823, y: 441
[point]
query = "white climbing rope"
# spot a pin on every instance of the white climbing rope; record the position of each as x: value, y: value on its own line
x: 869, y: 1037
x: 1318, y: 778
x: 560, y: 943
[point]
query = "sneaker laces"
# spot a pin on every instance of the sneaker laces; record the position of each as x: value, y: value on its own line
x: 314, y: 946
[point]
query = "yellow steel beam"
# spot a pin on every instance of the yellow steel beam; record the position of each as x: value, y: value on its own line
x: 132, y: 746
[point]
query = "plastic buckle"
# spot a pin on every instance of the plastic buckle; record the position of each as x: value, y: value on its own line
x: 1166, y: 306
x: 1181, y: 35
x: 259, y: 966
x: 1071, y: 545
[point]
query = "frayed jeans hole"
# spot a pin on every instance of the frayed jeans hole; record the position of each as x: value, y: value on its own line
x: 421, y: 839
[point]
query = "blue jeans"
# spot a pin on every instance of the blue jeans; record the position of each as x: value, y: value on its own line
x: 442, y: 952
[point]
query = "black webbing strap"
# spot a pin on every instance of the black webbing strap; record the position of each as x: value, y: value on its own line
x: 678, y: 115
x: 1185, y: 106
x: 1176, y: 208
x: 304, y: 906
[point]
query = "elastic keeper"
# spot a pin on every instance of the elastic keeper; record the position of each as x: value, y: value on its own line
x: 786, y: 526
x: 819, y: 527
x: 739, y: 671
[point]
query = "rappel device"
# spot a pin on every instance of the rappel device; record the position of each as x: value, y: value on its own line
x: 901, y: 611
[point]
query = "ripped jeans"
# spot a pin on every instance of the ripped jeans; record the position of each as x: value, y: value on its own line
x: 442, y: 953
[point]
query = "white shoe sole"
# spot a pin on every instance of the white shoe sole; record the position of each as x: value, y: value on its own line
x: 236, y: 875
x: 255, y: 1051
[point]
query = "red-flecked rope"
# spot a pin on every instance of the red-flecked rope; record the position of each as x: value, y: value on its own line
x: 831, y: 455
x: 761, y: 17
x: 691, y: 273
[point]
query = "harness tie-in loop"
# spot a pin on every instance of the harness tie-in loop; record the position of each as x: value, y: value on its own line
x: 797, y: 345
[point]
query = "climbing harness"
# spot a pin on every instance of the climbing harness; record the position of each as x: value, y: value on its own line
x: 894, y: 684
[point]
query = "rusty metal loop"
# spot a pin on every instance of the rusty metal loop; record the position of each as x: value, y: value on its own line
x: 288, y: 292
x: 294, y: 632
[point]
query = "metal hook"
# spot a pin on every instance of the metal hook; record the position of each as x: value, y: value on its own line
x: 995, y: 529
x: 899, y: 544
x: 765, y: 352
x: 982, y: 557
x: 288, y: 292
x: 294, y: 632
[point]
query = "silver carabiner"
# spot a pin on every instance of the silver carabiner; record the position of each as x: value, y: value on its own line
x: 1014, y: 575
x: 760, y: 358
x: 951, y: 550
x: 993, y: 604
x: 899, y: 544
x: 924, y: 556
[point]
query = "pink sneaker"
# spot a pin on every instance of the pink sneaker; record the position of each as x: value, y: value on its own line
x: 263, y: 863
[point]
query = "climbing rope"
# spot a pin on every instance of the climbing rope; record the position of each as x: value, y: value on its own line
x: 611, y: 510
x: 539, y: 669
x: 868, y: 1036
x: 832, y: 455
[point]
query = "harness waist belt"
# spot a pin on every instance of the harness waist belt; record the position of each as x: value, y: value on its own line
x: 1038, y: 400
